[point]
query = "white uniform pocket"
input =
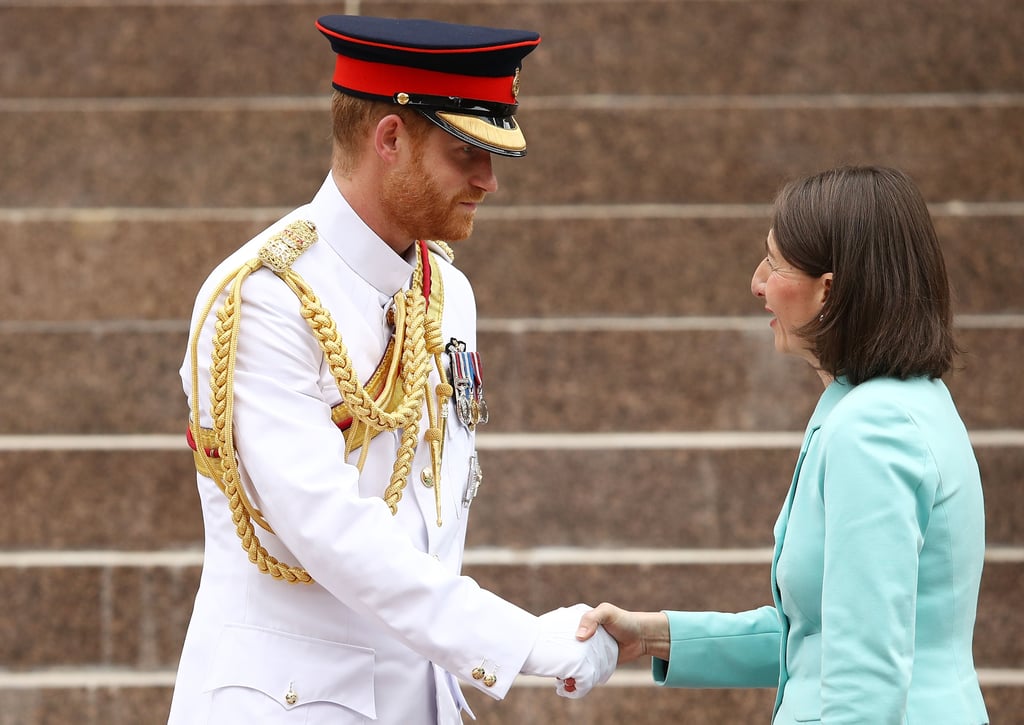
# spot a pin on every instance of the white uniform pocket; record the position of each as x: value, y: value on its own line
x: 262, y: 673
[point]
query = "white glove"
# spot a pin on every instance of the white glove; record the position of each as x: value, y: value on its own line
x: 557, y: 653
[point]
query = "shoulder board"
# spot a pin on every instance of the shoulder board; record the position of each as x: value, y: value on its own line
x: 281, y: 250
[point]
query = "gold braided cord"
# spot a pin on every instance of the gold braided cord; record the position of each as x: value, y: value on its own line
x: 361, y: 404
x: 224, y: 472
x: 415, y: 367
x: 208, y: 465
x: 419, y: 336
x: 436, y: 432
x: 193, y: 346
x: 225, y: 346
x: 435, y: 346
x: 434, y: 435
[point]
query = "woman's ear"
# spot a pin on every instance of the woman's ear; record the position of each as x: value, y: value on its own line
x: 826, y: 285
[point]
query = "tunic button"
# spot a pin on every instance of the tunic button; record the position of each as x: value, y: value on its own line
x: 478, y: 673
x: 489, y: 680
x: 291, y: 697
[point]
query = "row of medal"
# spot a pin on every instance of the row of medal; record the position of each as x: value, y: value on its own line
x: 468, y: 382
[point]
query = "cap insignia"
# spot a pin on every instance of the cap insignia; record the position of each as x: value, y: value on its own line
x: 515, y: 85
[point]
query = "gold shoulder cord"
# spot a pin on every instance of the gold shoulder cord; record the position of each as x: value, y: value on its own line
x: 417, y: 336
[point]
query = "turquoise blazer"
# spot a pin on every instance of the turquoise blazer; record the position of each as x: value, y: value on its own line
x: 878, y: 557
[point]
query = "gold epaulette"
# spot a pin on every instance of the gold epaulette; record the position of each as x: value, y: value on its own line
x: 281, y: 250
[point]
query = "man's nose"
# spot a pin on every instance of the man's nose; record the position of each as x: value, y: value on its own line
x: 485, y: 177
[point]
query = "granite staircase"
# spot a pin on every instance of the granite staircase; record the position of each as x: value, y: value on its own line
x: 643, y: 430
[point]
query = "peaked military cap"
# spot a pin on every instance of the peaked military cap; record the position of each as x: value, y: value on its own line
x: 464, y: 78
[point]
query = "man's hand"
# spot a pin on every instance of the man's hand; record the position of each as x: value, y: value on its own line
x: 637, y: 633
x: 577, y: 665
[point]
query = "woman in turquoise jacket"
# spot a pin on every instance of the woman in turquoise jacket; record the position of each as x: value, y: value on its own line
x: 880, y: 542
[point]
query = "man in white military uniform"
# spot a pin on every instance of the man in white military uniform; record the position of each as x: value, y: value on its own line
x: 335, y: 392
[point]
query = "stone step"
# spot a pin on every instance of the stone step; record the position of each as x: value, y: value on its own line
x: 173, y: 108
x: 642, y: 705
x: 651, y: 705
x: 628, y: 498
x: 137, y: 500
x: 146, y: 266
x: 687, y: 499
x: 135, y: 617
x: 630, y: 46
x: 124, y: 379
x: 265, y: 155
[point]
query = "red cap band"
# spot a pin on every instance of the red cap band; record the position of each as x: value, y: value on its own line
x: 381, y: 79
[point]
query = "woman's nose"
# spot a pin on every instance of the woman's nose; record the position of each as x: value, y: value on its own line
x: 759, y: 278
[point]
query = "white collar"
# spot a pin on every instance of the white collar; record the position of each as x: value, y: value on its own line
x: 367, y: 254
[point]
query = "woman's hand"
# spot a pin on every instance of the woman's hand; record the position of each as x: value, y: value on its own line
x: 638, y: 633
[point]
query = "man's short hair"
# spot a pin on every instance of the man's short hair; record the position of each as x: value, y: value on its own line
x: 353, y: 120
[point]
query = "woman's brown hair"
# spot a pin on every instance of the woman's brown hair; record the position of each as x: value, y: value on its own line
x: 887, y: 312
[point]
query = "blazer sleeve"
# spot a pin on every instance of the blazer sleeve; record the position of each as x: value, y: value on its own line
x: 878, y: 488
x: 717, y: 649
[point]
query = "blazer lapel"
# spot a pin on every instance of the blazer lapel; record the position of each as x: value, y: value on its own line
x: 828, y: 400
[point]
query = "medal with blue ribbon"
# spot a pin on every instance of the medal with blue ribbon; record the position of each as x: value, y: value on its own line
x: 468, y: 384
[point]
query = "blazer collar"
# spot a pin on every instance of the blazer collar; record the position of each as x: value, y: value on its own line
x: 829, y: 399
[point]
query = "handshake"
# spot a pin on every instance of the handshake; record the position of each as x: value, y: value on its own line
x: 567, y: 651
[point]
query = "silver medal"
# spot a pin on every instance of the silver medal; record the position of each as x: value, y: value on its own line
x: 476, y: 477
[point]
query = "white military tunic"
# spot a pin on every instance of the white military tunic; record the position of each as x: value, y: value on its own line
x: 388, y: 617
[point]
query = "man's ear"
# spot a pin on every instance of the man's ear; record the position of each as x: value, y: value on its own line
x: 388, y: 136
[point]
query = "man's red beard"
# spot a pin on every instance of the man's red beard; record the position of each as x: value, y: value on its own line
x: 414, y: 202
